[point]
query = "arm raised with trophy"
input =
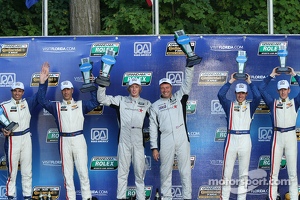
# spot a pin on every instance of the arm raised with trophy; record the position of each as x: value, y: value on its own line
x: 168, y: 116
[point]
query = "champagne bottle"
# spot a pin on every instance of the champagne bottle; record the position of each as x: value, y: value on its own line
x: 41, y: 194
x: 49, y: 195
x: 157, y: 196
x: 278, y: 195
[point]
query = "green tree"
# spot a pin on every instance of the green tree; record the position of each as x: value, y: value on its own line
x: 135, y: 17
x: 251, y: 17
x: 123, y: 17
x: 17, y: 20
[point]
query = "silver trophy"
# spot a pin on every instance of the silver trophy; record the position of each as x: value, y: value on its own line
x: 107, y: 62
x: 184, y: 42
x: 86, y: 71
x: 9, y: 126
x: 241, y: 59
x: 282, y: 53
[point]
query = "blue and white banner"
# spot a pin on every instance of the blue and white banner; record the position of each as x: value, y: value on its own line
x: 149, y: 58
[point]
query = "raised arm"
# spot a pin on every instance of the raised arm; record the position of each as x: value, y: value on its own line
x: 89, y: 105
x: 33, y: 101
x: 297, y: 98
x: 187, y: 83
x: 43, y: 85
x: 262, y: 88
x: 222, y: 94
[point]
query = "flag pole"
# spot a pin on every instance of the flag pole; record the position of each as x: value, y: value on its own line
x: 156, y: 17
x: 45, y: 18
x: 270, y: 17
x: 153, y: 19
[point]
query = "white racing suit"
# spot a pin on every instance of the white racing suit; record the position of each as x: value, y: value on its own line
x: 238, y: 141
x: 284, y: 139
x: 69, y: 118
x: 18, y: 146
x: 169, y: 116
x: 131, y: 113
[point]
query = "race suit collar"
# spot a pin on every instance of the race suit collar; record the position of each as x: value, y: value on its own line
x: 16, y: 101
x: 134, y: 98
x: 166, y: 99
x: 70, y: 101
x: 284, y: 100
x: 241, y: 103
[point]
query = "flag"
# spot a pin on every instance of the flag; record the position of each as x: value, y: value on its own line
x: 30, y: 3
x: 149, y: 2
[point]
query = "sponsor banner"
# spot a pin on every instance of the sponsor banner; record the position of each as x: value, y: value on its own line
x: 104, y: 163
x: 99, y: 48
x: 212, y: 78
x: 176, y: 192
x: 145, y: 77
x: 293, y: 79
x: 52, y: 135
x: 265, y: 134
x: 3, y: 192
x: 52, y: 163
x: 173, y: 49
x: 193, y: 160
x: 46, y: 192
x: 264, y: 162
x: 131, y: 192
x: 262, y: 108
x: 270, y: 48
x: 220, y: 134
x: 176, y: 77
x: 14, y: 50
x: 53, y: 79
x: 298, y: 133
x: 191, y: 107
x: 142, y: 49
x: 209, y: 192
x: 216, y: 108
x: 7, y: 79
x: 194, y: 134
x: 148, y: 58
x: 99, y: 135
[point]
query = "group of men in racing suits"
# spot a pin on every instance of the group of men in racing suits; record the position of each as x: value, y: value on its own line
x: 69, y: 116
x: 167, y: 125
x: 237, y: 144
x: 168, y: 113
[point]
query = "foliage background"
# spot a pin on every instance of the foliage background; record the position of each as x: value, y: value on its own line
x: 123, y: 17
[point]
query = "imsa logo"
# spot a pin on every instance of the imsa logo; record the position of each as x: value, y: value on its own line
x: 3, y: 192
x: 265, y: 134
x: 177, y: 192
x: 216, y: 107
x: 142, y: 49
x: 7, y: 79
x: 176, y: 77
x: 99, y: 135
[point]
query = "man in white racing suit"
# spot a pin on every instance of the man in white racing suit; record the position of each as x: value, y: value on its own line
x: 284, y: 113
x: 168, y: 114
x: 239, y: 115
x: 18, y: 144
x: 131, y: 112
x: 69, y: 117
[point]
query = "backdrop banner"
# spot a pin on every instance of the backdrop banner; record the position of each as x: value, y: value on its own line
x: 149, y: 58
